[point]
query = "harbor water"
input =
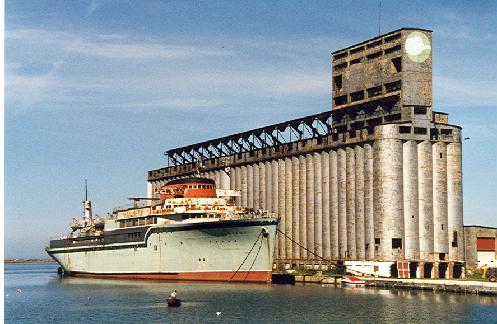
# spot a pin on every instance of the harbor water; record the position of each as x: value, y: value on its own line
x: 34, y: 293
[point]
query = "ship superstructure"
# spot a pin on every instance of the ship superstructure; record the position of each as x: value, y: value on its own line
x: 191, y: 231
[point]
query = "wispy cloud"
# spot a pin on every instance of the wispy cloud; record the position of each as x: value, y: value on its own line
x: 96, y: 72
x: 110, y: 46
x: 174, y: 103
x: 466, y: 92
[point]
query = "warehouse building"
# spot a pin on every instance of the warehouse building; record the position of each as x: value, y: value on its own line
x: 480, y: 243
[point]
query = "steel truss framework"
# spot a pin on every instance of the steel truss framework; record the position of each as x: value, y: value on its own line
x: 295, y: 130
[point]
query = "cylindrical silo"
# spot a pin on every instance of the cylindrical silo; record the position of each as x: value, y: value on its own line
x: 455, y: 202
x: 350, y: 182
x: 238, y: 183
x: 334, y: 205
x: 318, y: 204
x: 296, y: 207
x: 310, y: 204
x: 281, y: 206
x: 225, y: 178
x: 262, y: 186
x: 325, y: 176
x: 388, y: 201
x: 274, y: 202
x: 269, y: 186
x: 411, y: 203
x: 217, y: 178
x: 303, y: 206
x: 288, y: 207
x: 342, y: 202
x: 244, y: 187
x: 425, y: 194
x: 359, y: 203
x: 256, y: 190
x: 250, y: 186
x: 369, y: 223
x: 440, y: 221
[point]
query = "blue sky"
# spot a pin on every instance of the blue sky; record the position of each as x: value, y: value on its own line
x: 100, y: 89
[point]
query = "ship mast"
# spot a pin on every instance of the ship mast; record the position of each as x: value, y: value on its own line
x: 87, y: 208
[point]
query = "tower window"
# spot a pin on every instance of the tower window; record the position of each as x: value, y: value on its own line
x: 397, y: 63
x: 337, y: 81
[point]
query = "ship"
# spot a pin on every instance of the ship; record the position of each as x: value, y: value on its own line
x: 190, y: 231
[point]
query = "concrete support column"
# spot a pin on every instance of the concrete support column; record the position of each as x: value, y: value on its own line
x: 295, y: 207
x: 425, y: 187
x: 368, y: 202
x: 255, y: 170
x: 244, y: 187
x: 318, y: 204
x: 274, y: 202
x: 303, y: 205
x: 455, y: 202
x: 281, y: 206
x: 411, y: 204
x: 388, y: 183
x: 310, y: 204
x: 350, y: 182
x: 334, y: 205
x: 262, y: 186
x: 250, y: 186
x: 342, y: 203
x: 359, y: 203
x: 325, y: 177
x: 440, y: 221
x: 288, y: 207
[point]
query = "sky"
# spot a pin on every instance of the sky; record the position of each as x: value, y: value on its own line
x: 98, y: 90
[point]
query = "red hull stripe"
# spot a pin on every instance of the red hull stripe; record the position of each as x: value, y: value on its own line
x: 241, y: 276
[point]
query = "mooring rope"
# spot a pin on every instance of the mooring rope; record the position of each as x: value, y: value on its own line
x: 255, y: 259
x: 342, y: 267
x: 248, y: 254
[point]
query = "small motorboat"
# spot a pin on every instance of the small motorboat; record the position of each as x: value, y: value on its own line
x: 351, y: 281
x: 173, y: 302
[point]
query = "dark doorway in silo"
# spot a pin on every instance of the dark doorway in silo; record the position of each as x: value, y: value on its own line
x: 442, y: 270
x: 413, y: 269
x: 394, y: 271
x: 457, y: 270
x: 427, y: 269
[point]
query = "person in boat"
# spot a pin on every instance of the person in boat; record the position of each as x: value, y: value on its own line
x: 173, y: 294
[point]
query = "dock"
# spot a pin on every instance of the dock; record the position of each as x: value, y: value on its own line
x: 436, y: 285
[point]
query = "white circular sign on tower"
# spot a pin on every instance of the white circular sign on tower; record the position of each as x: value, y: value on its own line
x: 418, y: 47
